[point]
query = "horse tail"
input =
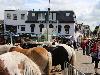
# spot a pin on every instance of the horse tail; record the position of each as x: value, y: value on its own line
x: 73, y: 57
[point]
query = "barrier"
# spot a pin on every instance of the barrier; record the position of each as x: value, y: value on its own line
x: 71, y: 70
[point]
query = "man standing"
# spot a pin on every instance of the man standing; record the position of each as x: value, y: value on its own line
x: 98, y: 56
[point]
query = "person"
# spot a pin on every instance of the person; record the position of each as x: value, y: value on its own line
x: 74, y: 44
x: 93, y: 51
x: 83, y: 45
x: 87, y: 47
x: 97, y: 56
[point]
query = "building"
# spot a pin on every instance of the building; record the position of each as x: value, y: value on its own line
x: 1, y: 26
x: 98, y: 32
x: 14, y: 21
x: 21, y: 21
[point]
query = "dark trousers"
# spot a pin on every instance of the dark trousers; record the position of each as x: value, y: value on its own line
x: 84, y: 50
x: 87, y: 50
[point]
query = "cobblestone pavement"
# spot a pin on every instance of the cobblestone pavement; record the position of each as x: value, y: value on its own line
x: 83, y: 63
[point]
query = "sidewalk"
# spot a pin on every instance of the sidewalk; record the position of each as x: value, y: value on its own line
x: 83, y: 63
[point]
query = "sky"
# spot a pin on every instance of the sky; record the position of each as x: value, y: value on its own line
x: 87, y: 11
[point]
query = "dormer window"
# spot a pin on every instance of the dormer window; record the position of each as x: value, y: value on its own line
x: 50, y: 16
x: 32, y: 27
x: 33, y: 14
x: 50, y: 26
x: 23, y: 16
x: 41, y: 16
x: 67, y: 14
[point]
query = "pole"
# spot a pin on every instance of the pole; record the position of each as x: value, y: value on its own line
x: 11, y: 38
x: 48, y: 22
x: 57, y: 28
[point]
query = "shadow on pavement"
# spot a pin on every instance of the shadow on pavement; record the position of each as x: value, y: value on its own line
x: 88, y: 73
x: 86, y: 63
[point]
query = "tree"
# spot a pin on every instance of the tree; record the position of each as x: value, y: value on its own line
x: 95, y: 30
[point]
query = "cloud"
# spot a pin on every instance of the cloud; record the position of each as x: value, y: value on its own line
x: 87, y: 11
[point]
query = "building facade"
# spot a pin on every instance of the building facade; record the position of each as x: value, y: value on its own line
x: 21, y: 21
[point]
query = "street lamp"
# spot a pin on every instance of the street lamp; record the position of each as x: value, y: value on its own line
x: 48, y: 21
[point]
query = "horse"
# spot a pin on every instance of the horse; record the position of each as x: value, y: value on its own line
x: 16, y: 63
x: 62, y: 53
x: 5, y: 48
x: 39, y: 55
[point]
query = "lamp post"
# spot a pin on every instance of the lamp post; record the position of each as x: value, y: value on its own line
x: 11, y: 38
x: 57, y: 28
x: 48, y: 21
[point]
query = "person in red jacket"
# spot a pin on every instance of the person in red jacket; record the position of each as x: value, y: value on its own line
x: 97, y: 59
x: 93, y: 51
x: 83, y: 45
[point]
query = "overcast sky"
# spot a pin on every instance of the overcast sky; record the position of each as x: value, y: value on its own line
x: 87, y: 11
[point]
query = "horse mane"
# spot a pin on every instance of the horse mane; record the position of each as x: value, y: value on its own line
x: 37, y: 54
x: 17, y: 63
x: 5, y: 48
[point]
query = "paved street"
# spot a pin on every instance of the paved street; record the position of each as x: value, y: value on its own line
x: 84, y: 63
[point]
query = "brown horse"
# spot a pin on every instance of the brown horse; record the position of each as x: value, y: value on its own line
x: 38, y: 54
x: 16, y: 63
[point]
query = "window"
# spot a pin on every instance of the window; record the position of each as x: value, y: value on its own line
x: 67, y: 29
x: 50, y: 26
x: 67, y: 14
x: 8, y: 27
x: 50, y: 16
x: 32, y: 27
x: 59, y: 28
x: 23, y: 16
x: 14, y: 17
x: 54, y: 16
x: 41, y: 16
x: 22, y: 28
x: 33, y: 14
x: 8, y: 16
x: 41, y: 26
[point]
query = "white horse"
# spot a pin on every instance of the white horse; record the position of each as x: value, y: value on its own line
x: 16, y: 63
x: 5, y: 48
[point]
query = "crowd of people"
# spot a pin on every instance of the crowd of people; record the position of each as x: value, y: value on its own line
x: 91, y: 47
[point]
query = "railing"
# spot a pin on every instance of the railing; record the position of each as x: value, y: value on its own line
x: 71, y: 70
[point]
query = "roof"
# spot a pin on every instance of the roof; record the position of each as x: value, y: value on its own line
x: 61, y: 16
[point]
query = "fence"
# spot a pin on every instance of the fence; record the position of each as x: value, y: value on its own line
x: 71, y: 70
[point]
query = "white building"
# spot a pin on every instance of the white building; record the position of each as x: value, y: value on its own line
x: 21, y: 21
